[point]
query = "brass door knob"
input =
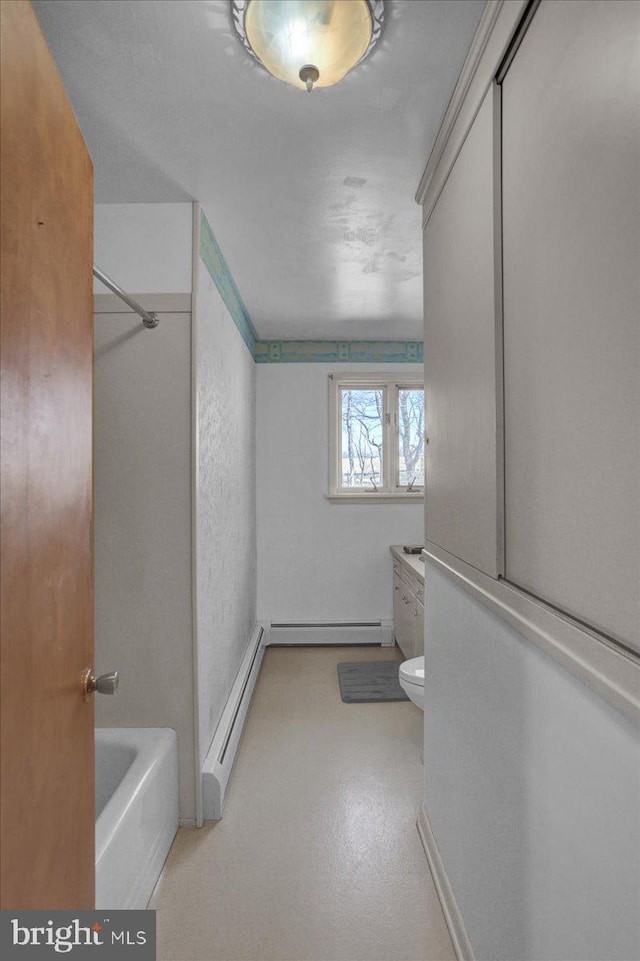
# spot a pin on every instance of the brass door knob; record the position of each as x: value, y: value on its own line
x: 103, y: 684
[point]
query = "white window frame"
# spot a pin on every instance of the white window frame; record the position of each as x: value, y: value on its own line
x: 390, y: 491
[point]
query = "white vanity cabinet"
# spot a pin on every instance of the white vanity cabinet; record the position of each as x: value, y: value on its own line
x: 418, y: 623
x: 408, y: 602
x: 404, y: 608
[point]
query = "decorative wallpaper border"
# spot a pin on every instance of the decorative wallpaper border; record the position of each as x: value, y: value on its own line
x: 296, y: 351
x: 338, y: 351
x: 211, y: 257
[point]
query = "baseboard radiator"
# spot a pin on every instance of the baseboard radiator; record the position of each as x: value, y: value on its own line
x: 330, y: 632
x: 219, y: 761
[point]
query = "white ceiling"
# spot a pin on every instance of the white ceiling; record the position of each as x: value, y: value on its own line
x: 310, y: 196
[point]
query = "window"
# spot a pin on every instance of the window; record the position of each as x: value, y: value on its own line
x: 376, y: 437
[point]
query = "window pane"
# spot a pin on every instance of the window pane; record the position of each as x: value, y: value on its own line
x: 362, y: 411
x: 410, y: 437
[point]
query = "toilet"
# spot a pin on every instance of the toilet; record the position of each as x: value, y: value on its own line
x: 411, y: 677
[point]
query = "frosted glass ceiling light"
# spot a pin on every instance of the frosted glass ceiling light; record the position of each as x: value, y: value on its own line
x: 308, y: 43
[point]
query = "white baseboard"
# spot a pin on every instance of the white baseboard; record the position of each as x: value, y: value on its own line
x: 330, y: 632
x: 451, y: 911
x: 220, y: 758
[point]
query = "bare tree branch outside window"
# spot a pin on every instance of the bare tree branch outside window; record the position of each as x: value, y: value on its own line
x: 362, y: 453
x: 362, y: 432
x: 410, y: 437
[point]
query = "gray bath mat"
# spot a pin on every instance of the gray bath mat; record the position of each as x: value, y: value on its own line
x: 362, y: 682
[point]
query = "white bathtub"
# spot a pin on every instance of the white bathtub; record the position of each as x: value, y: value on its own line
x: 136, y: 812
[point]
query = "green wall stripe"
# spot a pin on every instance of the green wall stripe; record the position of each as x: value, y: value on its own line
x: 296, y: 351
x: 212, y: 258
x: 338, y: 352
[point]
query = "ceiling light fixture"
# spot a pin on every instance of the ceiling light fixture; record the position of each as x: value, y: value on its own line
x: 308, y: 43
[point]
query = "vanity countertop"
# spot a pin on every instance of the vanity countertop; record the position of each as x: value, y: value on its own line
x: 413, y: 561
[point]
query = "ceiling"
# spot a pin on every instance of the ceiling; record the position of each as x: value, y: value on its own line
x: 310, y: 196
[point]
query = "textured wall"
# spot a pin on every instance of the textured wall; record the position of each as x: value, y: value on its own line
x: 142, y: 457
x: 226, y: 559
x: 532, y: 788
x: 316, y: 560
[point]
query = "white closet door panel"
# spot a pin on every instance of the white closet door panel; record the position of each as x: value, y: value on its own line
x: 461, y: 512
x: 571, y: 215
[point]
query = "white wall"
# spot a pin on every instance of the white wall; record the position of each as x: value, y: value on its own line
x: 142, y: 481
x: 226, y: 513
x: 532, y: 789
x: 145, y: 248
x: 317, y: 561
x: 142, y: 476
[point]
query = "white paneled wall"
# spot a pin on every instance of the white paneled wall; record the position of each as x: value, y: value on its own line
x: 532, y: 788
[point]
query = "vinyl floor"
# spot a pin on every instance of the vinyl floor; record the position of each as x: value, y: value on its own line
x: 317, y: 857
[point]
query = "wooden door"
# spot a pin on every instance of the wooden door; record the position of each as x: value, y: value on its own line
x: 47, y: 787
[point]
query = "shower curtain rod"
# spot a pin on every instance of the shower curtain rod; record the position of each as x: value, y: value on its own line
x: 150, y: 320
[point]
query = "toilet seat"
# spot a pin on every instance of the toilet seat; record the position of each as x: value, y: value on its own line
x: 411, y: 677
x: 412, y: 671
